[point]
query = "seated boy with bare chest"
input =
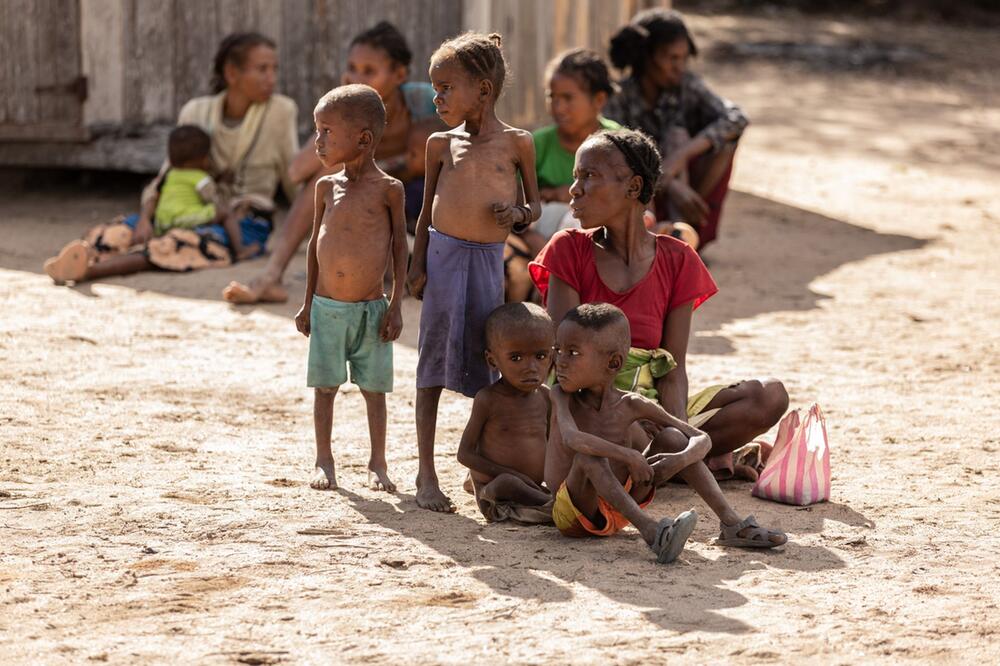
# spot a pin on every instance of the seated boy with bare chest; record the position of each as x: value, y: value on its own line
x: 603, y: 483
x: 359, y: 223
x: 504, y: 442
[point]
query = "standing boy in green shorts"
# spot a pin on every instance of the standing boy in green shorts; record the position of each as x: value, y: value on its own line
x: 359, y: 219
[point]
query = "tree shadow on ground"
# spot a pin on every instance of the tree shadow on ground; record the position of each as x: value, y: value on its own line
x: 768, y: 256
x: 537, y: 563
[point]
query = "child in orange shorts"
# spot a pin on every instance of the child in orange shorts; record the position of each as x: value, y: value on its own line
x: 603, y: 483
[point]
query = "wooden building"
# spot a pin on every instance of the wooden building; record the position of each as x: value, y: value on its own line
x: 98, y: 83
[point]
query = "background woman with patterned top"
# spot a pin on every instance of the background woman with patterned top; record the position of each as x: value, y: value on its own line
x: 695, y: 128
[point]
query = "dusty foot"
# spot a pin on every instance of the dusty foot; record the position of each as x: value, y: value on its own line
x: 325, y: 477
x: 247, y: 252
x: 69, y: 264
x: 237, y: 292
x: 467, y: 485
x: 378, y: 479
x: 429, y: 496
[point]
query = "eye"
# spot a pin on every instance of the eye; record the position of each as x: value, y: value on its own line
x: 542, y: 355
x: 573, y: 352
x: 515, y: 357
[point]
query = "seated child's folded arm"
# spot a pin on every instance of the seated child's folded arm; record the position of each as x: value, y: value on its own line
x: 647, y: 409
x: 583, y: 442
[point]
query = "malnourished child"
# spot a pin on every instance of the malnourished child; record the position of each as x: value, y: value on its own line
x: 359, y: 223
x: 603, y: 483
x: 504, y: 441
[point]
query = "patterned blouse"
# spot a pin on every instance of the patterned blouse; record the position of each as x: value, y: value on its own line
x: 692, y: 105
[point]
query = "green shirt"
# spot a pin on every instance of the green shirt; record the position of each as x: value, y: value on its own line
x: 186, y: 200
x: 553, y: 163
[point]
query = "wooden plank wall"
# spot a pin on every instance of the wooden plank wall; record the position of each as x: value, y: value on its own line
x: 39, y: 48
x: 168, y: 46
x: 534, y: 32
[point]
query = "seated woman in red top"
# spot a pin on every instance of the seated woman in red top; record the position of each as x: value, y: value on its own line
x: 657, y: 281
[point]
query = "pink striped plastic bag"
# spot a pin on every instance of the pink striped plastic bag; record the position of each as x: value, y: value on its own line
x: 798, y: 469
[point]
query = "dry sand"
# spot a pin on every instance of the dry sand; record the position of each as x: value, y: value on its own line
x: 156, y: 442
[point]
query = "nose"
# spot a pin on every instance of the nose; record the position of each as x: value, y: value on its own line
x: 438, y: 100
x: 576, y: 190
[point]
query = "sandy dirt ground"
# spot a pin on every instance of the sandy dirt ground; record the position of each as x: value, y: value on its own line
x: 155, y: 443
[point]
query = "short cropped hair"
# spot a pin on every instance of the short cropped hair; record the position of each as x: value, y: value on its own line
x: 186, y: 144
x: 358, y: 104
x: 516, y: 316
x: 603, y: 318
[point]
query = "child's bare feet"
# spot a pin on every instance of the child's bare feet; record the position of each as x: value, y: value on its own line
x: 255, y: 292
x: 378, y: 479
x: 69, y: 264
x: 429, y: 496
x: 325, y: 477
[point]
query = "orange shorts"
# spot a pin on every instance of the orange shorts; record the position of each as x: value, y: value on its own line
x: 572, y: 523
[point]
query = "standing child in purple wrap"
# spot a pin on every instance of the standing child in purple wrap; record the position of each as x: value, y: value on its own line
x: 471, y: 196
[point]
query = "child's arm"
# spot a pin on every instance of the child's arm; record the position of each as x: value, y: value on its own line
x: 468, y: 448
x: 582, y: 442
x: 392, y: 321
x: 417, y: 277
x: 302, y: 319
x: 698, y: 440
x: 516, y: 216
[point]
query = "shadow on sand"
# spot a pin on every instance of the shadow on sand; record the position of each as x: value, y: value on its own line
x: 539, y: 564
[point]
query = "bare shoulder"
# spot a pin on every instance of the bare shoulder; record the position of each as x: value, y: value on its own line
x: 485, y: 400
x: 439, y: 141
x: 518, y: 137
x: 636, y: 402
x: 326, y: 182
x: 391, y: 187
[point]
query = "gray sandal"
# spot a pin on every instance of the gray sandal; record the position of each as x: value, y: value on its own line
x: 758, y: 537
x: 672, y: 534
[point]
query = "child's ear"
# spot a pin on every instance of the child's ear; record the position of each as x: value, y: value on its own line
x: 365, y: 139
x: 492, y: 361
x: 485, y: 89
x: 600, y: 99
x: 634, y: 188
x: 615, y: 362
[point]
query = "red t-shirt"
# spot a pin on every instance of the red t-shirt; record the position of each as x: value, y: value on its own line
x: 677, y: 277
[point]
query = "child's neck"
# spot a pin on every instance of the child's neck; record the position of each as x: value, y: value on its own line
x: 483, y: 121
x: 509, y: 389
x: 359, y: 166
x: 594, y: 396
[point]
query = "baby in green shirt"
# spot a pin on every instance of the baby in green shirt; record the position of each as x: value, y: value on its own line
x: 188, y: 195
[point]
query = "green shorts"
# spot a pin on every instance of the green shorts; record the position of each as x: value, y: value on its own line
x: 348, y: 333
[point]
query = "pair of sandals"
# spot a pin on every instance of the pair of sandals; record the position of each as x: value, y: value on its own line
x: 672, y: 534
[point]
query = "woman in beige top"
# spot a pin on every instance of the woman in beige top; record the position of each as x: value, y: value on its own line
x: 253, y: 140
